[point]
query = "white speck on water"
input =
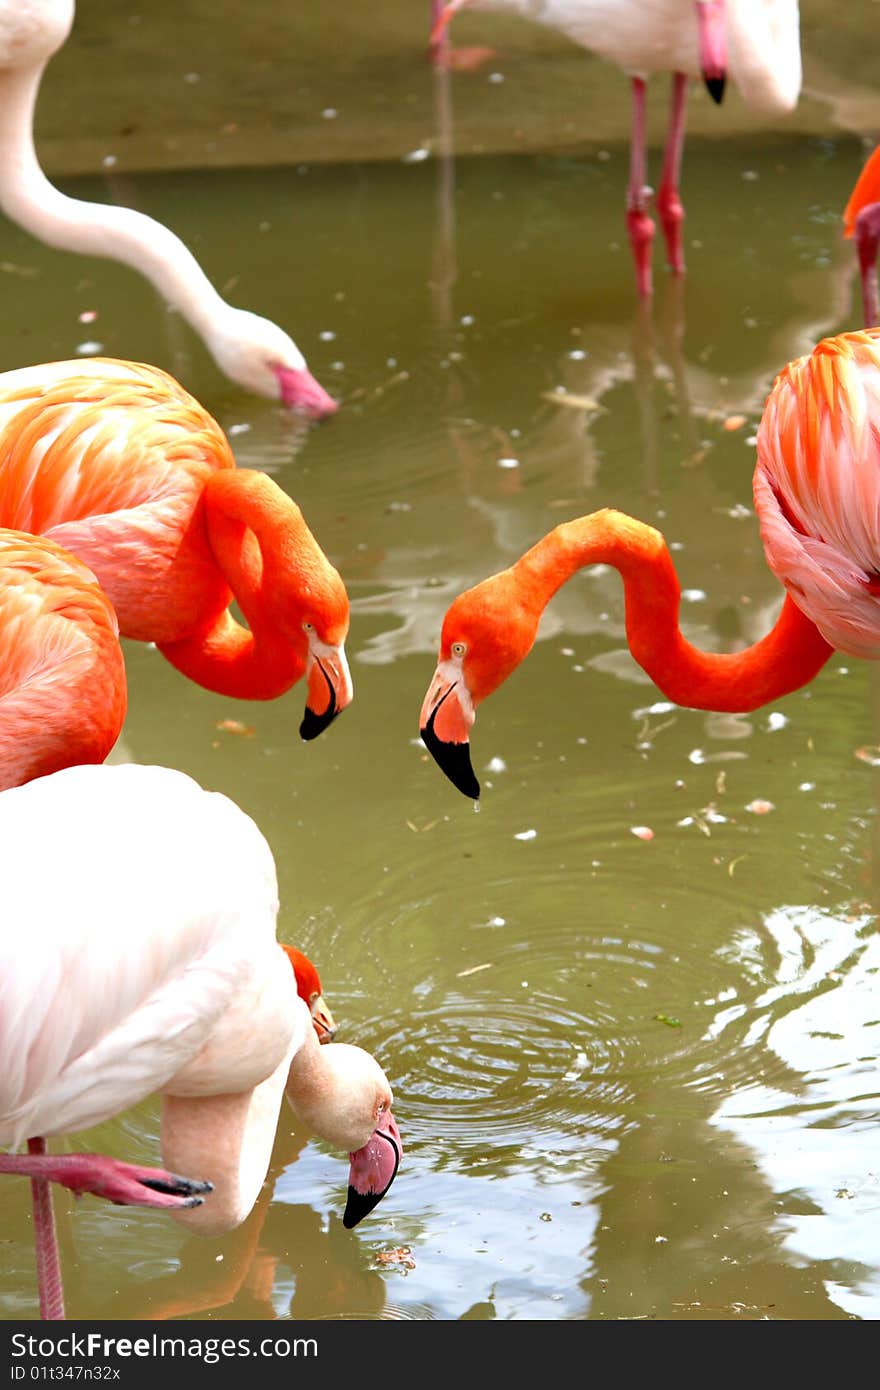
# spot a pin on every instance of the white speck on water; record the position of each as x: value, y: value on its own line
x: 390, y: 361
x: 109, y: 161
x: 567, y: 651
x: 417, y: 156
x: 327, y: 335
x: 88, y: 316
x: 241, y: 428
x: 676, y: 545
x: 526, y: 835
x: 806, y: 786
x: 89, y: 349
x: 577, y: 355
x: 776, y: 720
x: 751, y: 440
x: 191, y: 77
x: 694, y: 595
x: 329, y: 113
x: 496, y: 765
x: 577, y: 1067
x: 749, y: 175
x: 466, y: 320
x: 496, y: 77
x: 508, y: 463
x: 337, y: 366
x: 497, y: 921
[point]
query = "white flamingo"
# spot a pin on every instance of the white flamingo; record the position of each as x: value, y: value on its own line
x: 251, y: 350
x: 756, y: 42
x: 139, y: 955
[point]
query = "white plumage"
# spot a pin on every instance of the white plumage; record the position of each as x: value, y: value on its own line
x: 138, y: 938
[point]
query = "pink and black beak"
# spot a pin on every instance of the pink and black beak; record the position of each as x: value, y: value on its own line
x: 301, y: 392
x: 712, y: 45
x: 444, y: 724
x: 373, y: 1170
x: 330, y: 688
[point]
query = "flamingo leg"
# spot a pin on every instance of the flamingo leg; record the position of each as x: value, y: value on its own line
x: 638, y: 221
x: 669, y: 205
x: 46, y: 1244
x: 867, y: 239
x: 122, y: 1183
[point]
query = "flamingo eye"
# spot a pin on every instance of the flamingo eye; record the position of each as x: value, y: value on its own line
x: 308, y: 627
x: 458, y: 649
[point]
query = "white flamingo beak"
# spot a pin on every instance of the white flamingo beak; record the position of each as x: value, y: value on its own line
x: 373, y: 1170
x: 712, y: 45
x: 300, y: 391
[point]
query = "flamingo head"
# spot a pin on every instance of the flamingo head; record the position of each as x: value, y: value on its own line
x: 261, y: 357
x: 712, y: 45
x: 487, y: 632
x: 308, y: 987
x: 308, y: 607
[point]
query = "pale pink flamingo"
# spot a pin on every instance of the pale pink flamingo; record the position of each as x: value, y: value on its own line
x: 817, y: 495
x: 140, y: 956
x: 756, y: 42
x: 120, y: 465
x: 251, y: 350
x: 861, y: 221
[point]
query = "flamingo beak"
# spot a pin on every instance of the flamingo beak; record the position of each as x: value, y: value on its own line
x: 712, y: 45
x: 322, y: 1019
x: 373, y: 1170
x: 444, y: 724
x: 330, y: 688
x: 300, y: 391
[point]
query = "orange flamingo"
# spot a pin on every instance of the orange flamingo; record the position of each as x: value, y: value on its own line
x: 62, y: 677
x: 121, y: 466
x: 251, y: 350
x: 817, y: 495
x: 194, y: 1001
x: 861, y: 221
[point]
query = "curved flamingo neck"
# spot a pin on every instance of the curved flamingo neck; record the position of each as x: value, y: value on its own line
x: 788, y: 657
x: 98, y: 229
x: 265, y: 551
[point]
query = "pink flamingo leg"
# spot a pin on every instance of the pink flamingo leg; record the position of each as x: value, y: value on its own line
x: 867, y: 239
x: 438, y: 45
x: 46, y: 1244
x: 669, y: 205
x: 639, y: 224
x: 126, y: 1184
x: 122, y: 1183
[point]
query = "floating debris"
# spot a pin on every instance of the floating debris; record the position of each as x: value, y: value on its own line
x: 642, y: 832
x: 760, y: 807
x: 235, y: 726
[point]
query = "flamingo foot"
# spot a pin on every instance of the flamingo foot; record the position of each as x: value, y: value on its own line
x: 446, y: 58
x: 126, y: 1184
x: 671, y: 213
x: 641, y: 237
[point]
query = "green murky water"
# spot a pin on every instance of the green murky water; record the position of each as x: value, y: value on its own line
x: 635, y: 1078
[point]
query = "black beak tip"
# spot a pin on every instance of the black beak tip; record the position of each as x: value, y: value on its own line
x: 314, y: 724
x: 715, y: 87
x: 359, y: 1205
x: 454, y: 759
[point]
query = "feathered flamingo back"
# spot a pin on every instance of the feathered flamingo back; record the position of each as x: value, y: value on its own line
x: 110, y: 459
x: 143, y: 949
x: 817, y: 488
